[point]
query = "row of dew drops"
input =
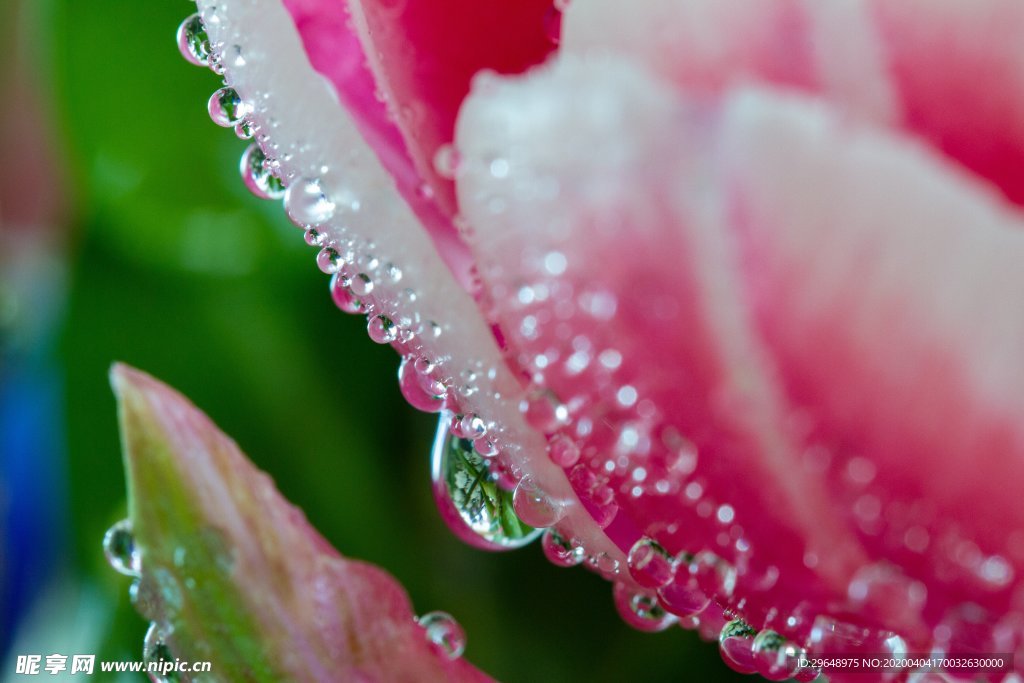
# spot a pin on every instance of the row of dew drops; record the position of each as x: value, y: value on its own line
x: 469, y: 478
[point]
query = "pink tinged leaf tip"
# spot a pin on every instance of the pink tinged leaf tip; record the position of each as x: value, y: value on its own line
x: 228, y: 571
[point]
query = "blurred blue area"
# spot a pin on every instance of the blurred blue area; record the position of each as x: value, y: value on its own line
x: 32, y: 480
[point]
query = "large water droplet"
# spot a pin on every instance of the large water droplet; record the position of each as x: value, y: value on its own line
x: 414, y: 391
x: 649, y: 564
x: 154, y: 650
x: 119, y: 548
x: 640, y: 609
x: 255, y: 169
x: 534, y: 506
x: 775, y: 657
x: 227, y: 108
x: 307, y: 204
x: 736, y: 642
x: 470, y: 501
x: 444, y: 633
x: 193, y: 43
x: 560, y: 551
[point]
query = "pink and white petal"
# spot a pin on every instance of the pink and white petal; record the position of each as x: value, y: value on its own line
x: 376, y: 240
x: 949, y: 71
x: 829, y: 316
x: 888, y: 287
x: 597, y: 210
x: 335, y: 51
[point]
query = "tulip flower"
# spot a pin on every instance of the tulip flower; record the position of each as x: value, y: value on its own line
x: 725, y: 296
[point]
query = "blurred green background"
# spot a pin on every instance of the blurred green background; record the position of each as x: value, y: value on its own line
x: 174, y: 268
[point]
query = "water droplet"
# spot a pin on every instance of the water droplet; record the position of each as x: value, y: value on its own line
x: 193, y: 43
x: 381, y: 329
x: 329, y: 261
x: 560, y: 551
x: 469, y: 426
x: 543, y: 411
x: 344, y: 299
x: 256, y: 172
x: 244, y: 130
x: 307, y: 204
x: 640, y: 609
x: 563, y: 451
x: 444, y: 633
x: 227, y: 108
x: 649, y: 564
x: 413, y: 390
x: 534, y: 506
x: 485, y: 447
x: 683, y: 595
x: 479, y: 511
x: 361, y: 284
x: 775, y: 657
x: 119, y: 548
x: 736, y: 642
x: 313, y: 237
x: 446, y: 161
x: 154, y: 650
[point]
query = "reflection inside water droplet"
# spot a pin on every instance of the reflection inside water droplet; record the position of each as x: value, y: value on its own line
x: 470, y: 501
x: 155, y: 650
x: 257, y: 174
x: 120, y: 551
x: 193, y: 42
x: 444, y: 633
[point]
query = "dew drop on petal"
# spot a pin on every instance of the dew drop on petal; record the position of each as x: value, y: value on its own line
x: 328, y: 260
x: 307, y: 204
x: 227, y: 108
x: 193, y: 43
x: 343, y: 297
x: 736, y: 642
x: 120, y: 550
x: 534, y: 506
x: 382, y: 329
x: 560, y: 551
x: 444, y: 633
x: 640, y: 609
x: 775, y: 657
x: 469, y: 498
x: 413, y: 390
x: 649, y: 564
x: 257, y: 174
x: 683, y: 596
